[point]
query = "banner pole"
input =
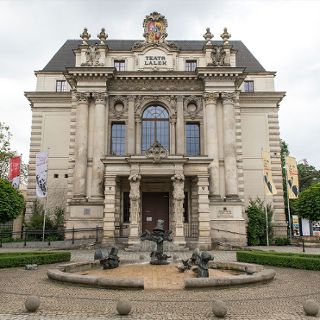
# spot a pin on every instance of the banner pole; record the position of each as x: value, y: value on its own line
x: 267, y: 225
x: 288, y: 204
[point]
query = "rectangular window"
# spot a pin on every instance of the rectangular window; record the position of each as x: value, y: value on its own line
x: 61, y: 85
x: 192, y: 139
x: 119, y: 65
x: 191, y: 65
x: 126, y: 207
x: 118, y: 139
x: 248, y: 86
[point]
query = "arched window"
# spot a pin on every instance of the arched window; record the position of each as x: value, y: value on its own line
x: 155, y: 127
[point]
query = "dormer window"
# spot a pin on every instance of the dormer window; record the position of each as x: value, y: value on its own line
x: 119, y: 65
x: 61, y: 85
x: 191, y: 65
x: 249, y: 86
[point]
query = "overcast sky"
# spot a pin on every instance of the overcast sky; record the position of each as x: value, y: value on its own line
x: 282, y: 35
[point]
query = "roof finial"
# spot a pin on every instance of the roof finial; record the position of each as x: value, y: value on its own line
x: 225, y: 37
x: 208, y: 36
x: 85, y: 36
x: 102, y: 36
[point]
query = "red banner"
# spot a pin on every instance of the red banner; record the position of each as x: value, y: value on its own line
x: 14, y: 168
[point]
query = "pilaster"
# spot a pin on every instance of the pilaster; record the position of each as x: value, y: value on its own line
x: 212, y: 143
x: 131, y: 127
x: 204, y: 240
x: 98, y: 144
x: 180, y: 127
x: 109, y: 209
x: 229, y: 145
x: 81, y: 147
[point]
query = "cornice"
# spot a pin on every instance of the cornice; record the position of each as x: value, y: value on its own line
x: 48, y: 96
x: 262, y: 96
x: 220, y: 71
x: 162, y: 75
x: 90, y: 71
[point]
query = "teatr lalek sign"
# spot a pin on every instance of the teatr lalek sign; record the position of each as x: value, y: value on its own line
x: 155, y: 61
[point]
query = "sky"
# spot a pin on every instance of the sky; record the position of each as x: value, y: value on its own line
x: 282, y: 35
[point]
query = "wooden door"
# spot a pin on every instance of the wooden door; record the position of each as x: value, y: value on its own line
x: 155, y: 205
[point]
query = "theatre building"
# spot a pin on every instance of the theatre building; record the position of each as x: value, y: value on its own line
x: 141, y: 130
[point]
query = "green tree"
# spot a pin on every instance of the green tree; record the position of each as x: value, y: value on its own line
x: 256, y: 229
x: 308, y: 175
x: 308, y: 203
x: 12, y: 202
x: 283, y: 154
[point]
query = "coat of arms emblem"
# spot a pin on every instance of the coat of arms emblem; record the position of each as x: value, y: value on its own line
x: 155, y: 26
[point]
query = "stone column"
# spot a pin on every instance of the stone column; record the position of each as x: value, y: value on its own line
x: 138, y: 136
x: 131, y: 127
x: 178, y: 197
x: 109, y: 209
x: 212, y: 143
x: 180, y: 127
x: 134, y: 196
x: 204, y: 240
x: 229, y: 145
x: 98, y: 145
x: 81, y: 146
x: 172, y: 135
x: 106, y: 132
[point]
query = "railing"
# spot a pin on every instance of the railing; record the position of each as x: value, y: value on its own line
x: 191, y: 229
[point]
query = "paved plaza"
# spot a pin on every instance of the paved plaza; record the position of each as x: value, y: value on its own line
x: 280, y: 299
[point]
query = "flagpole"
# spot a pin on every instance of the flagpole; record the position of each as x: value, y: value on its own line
x: 288, y: 204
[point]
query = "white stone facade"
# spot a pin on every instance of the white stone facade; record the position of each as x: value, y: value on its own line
x: 80, y: 101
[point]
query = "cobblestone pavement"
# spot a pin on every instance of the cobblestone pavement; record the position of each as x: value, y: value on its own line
x: 280, y: 299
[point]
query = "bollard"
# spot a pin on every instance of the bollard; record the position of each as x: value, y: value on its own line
x: 303, y: 247
x: 0, y: 238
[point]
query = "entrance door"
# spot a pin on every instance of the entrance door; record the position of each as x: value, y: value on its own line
x: 155, y: 205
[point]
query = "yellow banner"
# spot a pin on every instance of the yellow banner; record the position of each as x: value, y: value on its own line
x: 292, y: 178
x: 269, y: 187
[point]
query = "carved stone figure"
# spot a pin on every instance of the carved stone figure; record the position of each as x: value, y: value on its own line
x: 102, y: 36
x: 92, y: 56
x: 178, y: 197
x: 158, y: 235
x: 225, y: 37
x: 218, y: 56
x: 156, y: 152
x: 85, y: 36
x: 134, y: 197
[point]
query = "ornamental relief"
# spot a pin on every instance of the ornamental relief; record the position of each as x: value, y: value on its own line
x: 168, y: 101
x: 155, y: 85
x: 118, y: 106
x: 193, y: 107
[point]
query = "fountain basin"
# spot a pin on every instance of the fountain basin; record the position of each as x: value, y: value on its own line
x: 145, y: 276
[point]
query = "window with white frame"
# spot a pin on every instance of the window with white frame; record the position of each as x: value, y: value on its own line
x: 249, y: 86
x: 61, y: 85
x: 119, y: 65
x: 191, y: 65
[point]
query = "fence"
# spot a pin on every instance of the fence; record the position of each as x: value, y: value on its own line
x: 28, y: 235
x: 191, y: 229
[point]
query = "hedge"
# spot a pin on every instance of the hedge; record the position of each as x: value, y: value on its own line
x: 278, y: 259
x: 18, y: 259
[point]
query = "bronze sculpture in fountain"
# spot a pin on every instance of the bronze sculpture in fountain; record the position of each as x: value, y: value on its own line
x: 158, y: 235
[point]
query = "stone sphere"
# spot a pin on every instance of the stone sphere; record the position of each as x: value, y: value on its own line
x: 32, y: 303
x: 219, y: 308
x: 311, y: 307
x: 123, y: 307
x: 142, y: 257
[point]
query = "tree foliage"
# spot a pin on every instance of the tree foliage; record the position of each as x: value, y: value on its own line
x: 308, y: 203
x: 283, y: 154
x: 308, y: 175
x: 256, y: 229
x: 12, y: 202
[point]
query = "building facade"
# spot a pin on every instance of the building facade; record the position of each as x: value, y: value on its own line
x: 143, y: 130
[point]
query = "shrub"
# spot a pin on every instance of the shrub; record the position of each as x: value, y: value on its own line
x: 284, y: 241
x: 287, y: 260
x: 18, y: 259
x: 256, y: 229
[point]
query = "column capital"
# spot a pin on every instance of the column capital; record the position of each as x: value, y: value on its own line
x: 229, y: 97
x: 81, y: 97
x: 210, y: 97
x: 99, y: 97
